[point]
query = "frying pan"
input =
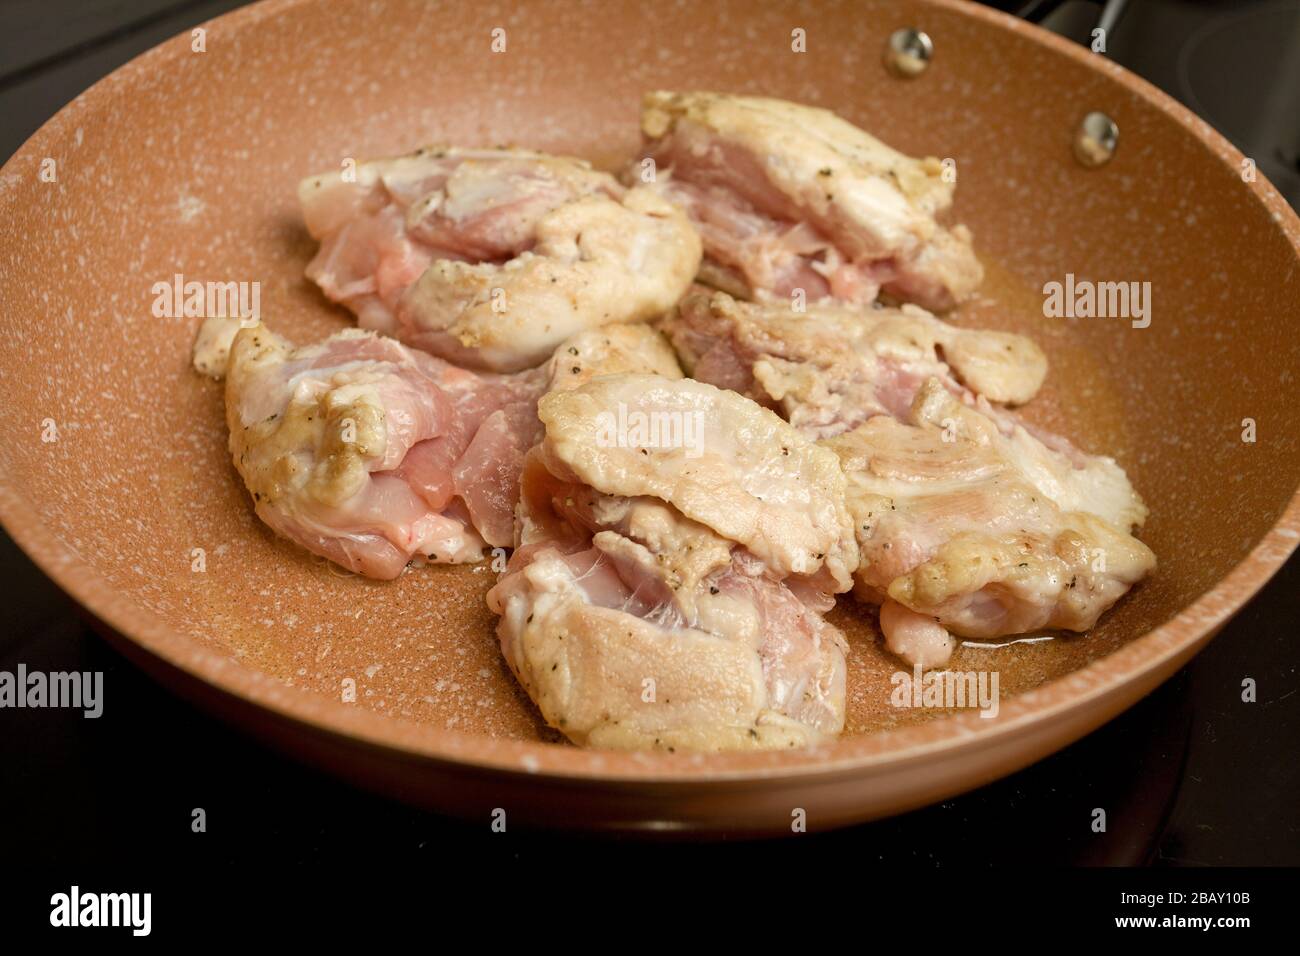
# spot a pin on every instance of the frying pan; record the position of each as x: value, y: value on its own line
x: 117, y: 483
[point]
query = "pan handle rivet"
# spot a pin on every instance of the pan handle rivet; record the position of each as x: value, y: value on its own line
x: 909, y: 52
x: 1095, y: 142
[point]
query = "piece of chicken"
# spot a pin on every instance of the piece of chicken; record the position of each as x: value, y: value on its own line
x: 970, y: 525
x: 670, y: 579
x: 491, y: 258
x: 371, y: 454
x: 831, y: 367
x: 610, y: 350
x: 789, y: 197
x: 969, y: 521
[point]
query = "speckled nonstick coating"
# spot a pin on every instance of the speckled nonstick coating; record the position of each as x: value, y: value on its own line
x: 185, y: 162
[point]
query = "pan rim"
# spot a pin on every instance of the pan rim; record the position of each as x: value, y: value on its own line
x: 876, y: 753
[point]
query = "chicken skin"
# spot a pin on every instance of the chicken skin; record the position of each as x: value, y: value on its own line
x: 790, y: 197
x: 610, y: 350
x: 371, y: 454
x: 667, y: 590
x: 832, y: 367
x: 969, y: 521
x: 492, y: 258
x: 971, y: 526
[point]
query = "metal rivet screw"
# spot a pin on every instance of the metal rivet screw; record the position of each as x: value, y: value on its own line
x: 909, y: 51
x: 1095, y: 142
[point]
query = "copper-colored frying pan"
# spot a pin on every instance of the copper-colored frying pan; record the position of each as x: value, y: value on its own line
x: 186, y: 162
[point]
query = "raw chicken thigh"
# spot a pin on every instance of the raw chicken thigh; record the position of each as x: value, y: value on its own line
x: 832, y: 367
x: 491, y: 258
x: 370, y: 454
x: 969, y: 522
x: 790, y: 197
x: 970, y: 525
x: 669, y: 583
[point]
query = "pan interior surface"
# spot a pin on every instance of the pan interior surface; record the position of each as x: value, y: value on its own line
x: 186, y: 163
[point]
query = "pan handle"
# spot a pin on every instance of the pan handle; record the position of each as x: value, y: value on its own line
x: 1036, y: 11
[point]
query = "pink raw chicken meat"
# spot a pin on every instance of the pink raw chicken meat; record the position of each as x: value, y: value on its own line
x: 371, y: 454
x: 970, y: 520
x: 698, y: 582
x: 490, y: 258
x: 789, y: 197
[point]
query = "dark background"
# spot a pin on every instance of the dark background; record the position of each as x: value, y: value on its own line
x: 1192, y: 776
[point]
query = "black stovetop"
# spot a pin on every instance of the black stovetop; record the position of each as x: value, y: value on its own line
x: 1195, y: 775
